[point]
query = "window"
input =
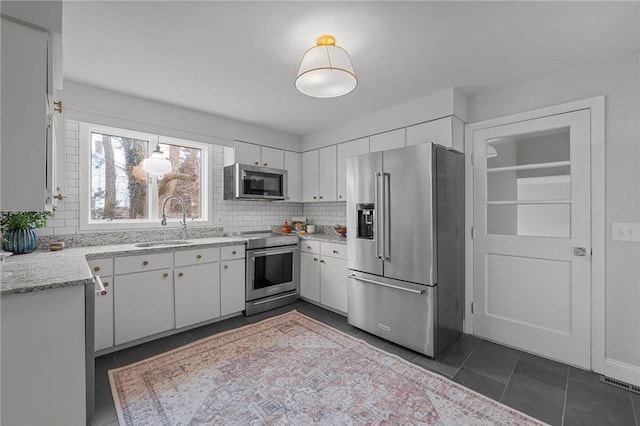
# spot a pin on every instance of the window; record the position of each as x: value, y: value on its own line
x: 115, y: 192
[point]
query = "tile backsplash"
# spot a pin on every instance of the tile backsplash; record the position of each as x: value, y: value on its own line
x: 229, y: 215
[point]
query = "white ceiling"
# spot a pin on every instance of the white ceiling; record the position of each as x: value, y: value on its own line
x: 239, y: 59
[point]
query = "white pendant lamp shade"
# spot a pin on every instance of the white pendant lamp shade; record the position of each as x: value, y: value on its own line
x: 326, y: 70
x: 157, y: 164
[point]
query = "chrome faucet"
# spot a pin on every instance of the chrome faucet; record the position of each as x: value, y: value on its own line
x: 184, y: 214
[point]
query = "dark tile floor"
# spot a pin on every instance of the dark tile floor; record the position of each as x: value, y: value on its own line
x: 552, y: 392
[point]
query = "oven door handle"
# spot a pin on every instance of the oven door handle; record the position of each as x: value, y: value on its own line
x: 257, y: 253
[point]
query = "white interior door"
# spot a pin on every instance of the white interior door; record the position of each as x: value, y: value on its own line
x: 532, y: 243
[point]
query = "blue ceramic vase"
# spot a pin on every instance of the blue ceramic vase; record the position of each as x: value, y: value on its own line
x: 20, y: 241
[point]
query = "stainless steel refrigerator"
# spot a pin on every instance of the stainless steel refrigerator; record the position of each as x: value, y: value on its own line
x: 405, y: 243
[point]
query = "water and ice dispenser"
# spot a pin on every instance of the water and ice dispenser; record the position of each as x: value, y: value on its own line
x: 366, y: 215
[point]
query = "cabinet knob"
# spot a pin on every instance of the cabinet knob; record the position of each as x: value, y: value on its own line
x: 315, y: 259
x: 165, y: 275
x: 226, y: 266
x: 181, y: 274
x: 339, y: 196
x: 265, y: 164
x: 257, y: 163
x: 106, y: 284
x: 320, y: 197
x: 309, y: 247
x: 322, y: 261
x: 314, y: 197
x: 145, y: 263
x: 199, y: 257
x: 233, y: 253
x: 335, y: 252
x: 96, y: 268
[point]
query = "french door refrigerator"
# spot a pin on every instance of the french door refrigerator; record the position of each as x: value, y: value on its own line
x: 405, y: 243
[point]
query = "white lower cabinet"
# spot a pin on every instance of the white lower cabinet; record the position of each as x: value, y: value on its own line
x: 323, y: 274
x: 143, y: 304
x: 232, y: 283
x: 197, y: 293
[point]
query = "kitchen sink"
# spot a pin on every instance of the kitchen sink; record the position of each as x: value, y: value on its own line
x: 166, y: 243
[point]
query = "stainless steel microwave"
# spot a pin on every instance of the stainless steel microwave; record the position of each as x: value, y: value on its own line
x: 245, y: 182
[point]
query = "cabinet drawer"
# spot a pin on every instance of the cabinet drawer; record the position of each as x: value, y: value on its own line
x: 101, y: 267
x: 307, y: 246
x: 145, y: 262
x: 232, y: 252
x: 192, y: 257
x: 334, y: 250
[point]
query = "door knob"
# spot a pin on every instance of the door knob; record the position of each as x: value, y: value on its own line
x: 579, y: 251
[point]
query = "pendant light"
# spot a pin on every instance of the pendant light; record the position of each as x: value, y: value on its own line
x: 157, y: 164
x: 326, y: 70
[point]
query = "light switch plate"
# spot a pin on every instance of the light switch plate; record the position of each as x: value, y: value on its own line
x: 625, y: 231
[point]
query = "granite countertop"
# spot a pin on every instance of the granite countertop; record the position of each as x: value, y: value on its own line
x: 44, y: 270
x: 324, y: 238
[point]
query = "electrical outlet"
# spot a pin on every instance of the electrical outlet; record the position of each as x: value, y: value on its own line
x: 625, y: 231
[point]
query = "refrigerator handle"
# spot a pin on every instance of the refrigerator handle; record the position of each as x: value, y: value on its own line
x: 386, y: 185
x: 377, y: 234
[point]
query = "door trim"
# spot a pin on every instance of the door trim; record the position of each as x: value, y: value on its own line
x: 596, y: 105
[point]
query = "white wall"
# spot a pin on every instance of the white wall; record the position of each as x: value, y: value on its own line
x: 99, y: 106
x: 619, y: 80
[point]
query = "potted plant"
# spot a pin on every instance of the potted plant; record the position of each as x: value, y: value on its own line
x: 18, y: 230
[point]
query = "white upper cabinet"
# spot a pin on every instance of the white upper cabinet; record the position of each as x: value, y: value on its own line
x: 272, y: 157
x: 256, y: 155
x: 386, y: 141
x: 447, y: 131
x: 310, y: 175
x: 27, y: 137
x: 345, y: 150
x: 293, y: 166
x: 327, y: 174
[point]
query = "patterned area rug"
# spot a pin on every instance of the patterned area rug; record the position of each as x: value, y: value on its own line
x: 293, y: 370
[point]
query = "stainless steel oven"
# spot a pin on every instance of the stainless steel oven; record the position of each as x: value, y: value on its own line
x: 272, y: 270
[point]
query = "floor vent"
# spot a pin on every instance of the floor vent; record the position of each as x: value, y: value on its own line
x: 619, y: 384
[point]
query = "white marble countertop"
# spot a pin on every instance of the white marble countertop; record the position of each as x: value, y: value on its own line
x: 44, y: 270
x: 325, y: 238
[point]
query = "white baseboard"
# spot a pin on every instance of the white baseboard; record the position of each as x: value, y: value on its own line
x: 622, y: 371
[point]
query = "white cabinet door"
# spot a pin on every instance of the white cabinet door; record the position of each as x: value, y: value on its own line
x: 272, y: 157
x: 232, y: 285
x: 436, y: 131
x: 310, y: 175
x: 293, y: 166
x: 327, y: 174
x: 386, y: 141
x: 24, y: 118
x: 104, y: 316
x: 310, y: 276
x: 345, y: 150
x: 197, y: 293
x: 333, y: 283
x: 247, y: 153
x: 143, y: 304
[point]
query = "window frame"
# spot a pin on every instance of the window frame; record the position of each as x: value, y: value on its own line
x: 153, y: 221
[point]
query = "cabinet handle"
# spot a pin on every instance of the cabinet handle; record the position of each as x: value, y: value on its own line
x: 165, y: 275
x: 335, y: 252
x: 106, y: 284
x: 233, y: 253
x: 265, y: 164
x: 308, y: 247
x: 181, y: 274
x: 257, y: 163
x: 145, y: 263
x: 199, y: 257
x: 320, y: 197
x: 226, y: 266
x: 57, y: 106
x: 322, y: 261
x: 59, y: 197
x: 96, y: 269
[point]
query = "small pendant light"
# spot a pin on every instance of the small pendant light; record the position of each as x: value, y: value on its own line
x: 326, y: 70
x: 157, y: 164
